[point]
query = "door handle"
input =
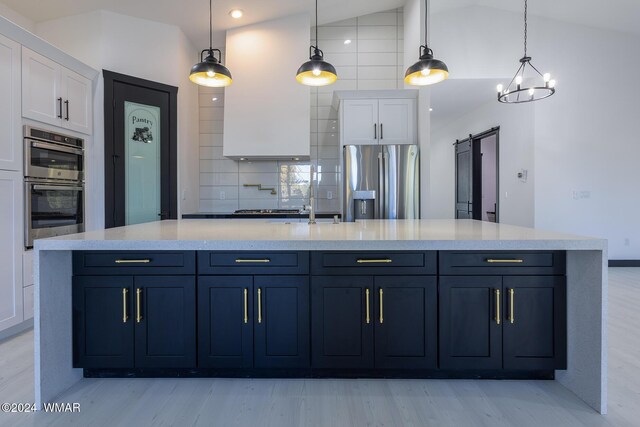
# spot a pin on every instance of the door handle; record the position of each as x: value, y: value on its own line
x: 512, y: 316
x: 375, y: 131
x: 125, y: 317
x: 259, y: 305
x: 381, y: 308
x: 368, y: 318
x: 246, y: 305
x: 66, y: 103
x: 60, y: 108
x: 381, y: 132
x: 138, y: 306
x: 497, y: 292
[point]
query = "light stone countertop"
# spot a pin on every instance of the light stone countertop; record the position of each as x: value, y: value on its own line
x: 241, y: 234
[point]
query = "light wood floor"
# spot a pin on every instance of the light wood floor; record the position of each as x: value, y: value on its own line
x: 343, y: 403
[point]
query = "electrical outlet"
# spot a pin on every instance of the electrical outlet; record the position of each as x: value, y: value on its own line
x: 223, y: 195
x: 329, y: 195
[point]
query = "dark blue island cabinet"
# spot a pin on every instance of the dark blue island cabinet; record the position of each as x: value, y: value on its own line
x: 386, y: 319
x: 127, y: 313
x: 253, y: 310
x: 502, y: 311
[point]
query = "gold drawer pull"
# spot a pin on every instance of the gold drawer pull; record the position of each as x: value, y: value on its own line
x: 240, y: 260
x: 133, y: 261
x: 374, y: 261
x: 138, y: 308
x: 505, y: 261
x: 381, y: 309
x: 246, y: 305
x: 259, y: 305
x: 125, y: 317
x: 512, y: 316
x: 367, y: 304
x: 497, y: 291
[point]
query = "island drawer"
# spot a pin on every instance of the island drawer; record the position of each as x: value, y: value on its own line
x: 134, y: 263
x: 244, y: 262
x: 373, y: 262
x: 502, y: 263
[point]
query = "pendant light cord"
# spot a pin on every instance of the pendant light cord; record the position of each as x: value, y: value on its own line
x: 525, y: 28
x: 426, y: 24
x: 210, y: 26
x: 316, y: 23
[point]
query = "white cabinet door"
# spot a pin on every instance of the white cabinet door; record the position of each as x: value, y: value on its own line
x: 359, y: 122
x: 10, y: 121
x: 397, y: 118
x: 77, y: 109
x: 41, y: 94
x: 11, y: 236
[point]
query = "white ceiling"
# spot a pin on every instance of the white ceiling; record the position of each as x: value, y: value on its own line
x: 192, y: 15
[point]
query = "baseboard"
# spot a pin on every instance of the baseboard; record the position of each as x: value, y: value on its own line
x: 16, y: 329
x: 624, y: 263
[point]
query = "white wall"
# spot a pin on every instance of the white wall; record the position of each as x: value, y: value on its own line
x: 143, y: 49
x: 582, y: 139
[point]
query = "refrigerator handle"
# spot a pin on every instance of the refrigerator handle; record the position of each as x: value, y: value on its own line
x: 381, y: 181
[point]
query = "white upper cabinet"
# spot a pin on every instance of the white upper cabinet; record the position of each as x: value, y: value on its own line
x: 367, y: 119
x: 54, y: 94
x: 359, y: 121
x: 397, y: 118
x: 10, y: 121
x: 11, y: 236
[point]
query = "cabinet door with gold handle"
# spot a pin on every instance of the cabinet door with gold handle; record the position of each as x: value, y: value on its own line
x: 381, y: 307
x: 138, y: 305
x: 497, y: 294
x: 246, y: 305
x: 259, y: 305
x: 125, y: 317
x: 367, y: 306
x: 512, y: 315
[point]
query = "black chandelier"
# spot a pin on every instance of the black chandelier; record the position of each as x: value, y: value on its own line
x: 515, y: 93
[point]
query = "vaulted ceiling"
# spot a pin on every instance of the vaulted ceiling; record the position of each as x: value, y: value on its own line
x: 192, y: 15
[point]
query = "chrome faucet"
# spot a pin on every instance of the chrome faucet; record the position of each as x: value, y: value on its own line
x: 312, y: 198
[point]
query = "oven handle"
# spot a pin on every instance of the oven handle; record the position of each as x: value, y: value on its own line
x: 57, y: 187
x: 55, y: 147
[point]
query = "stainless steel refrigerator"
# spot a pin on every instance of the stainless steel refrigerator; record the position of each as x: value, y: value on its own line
x: 381, y: 182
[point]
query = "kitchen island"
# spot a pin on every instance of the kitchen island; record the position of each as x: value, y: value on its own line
x: 441, y: 258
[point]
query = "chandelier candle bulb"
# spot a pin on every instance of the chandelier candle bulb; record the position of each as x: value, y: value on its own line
x: 546, y: 77
x: 500, y: 87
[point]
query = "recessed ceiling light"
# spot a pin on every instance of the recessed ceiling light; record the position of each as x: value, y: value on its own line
x: 214, y: 99
x: 347, y: 41
x: 235, y: 13
x: 430, y: 109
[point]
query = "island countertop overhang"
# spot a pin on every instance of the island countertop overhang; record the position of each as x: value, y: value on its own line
x: 408, y: 235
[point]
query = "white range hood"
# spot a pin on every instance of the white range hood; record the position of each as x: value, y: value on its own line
x: 267, y: 114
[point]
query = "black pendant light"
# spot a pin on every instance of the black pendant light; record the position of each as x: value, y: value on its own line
x: 427, y: 70
x: 316, y: 71
x: 515, y: 93
x: 210, y: 71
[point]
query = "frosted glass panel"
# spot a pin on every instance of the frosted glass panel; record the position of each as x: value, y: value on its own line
x: 142, y: 163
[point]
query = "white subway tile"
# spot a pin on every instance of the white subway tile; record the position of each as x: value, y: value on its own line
x: 266, y: 179
x: 379, y: 59
x: 208, y: 90
x: 347, y: 72
x: 221, y: 166
x: 328, y: 205
x: 328, y: 179
x: 342, y: 59
x: 211, y: 139
x: 218, y: 206
x: 218, y: 192
x: 328, y: 152
x: 379, y: 32
x: 328, y: 139
x: 344, y: 23
x: 259, y: 167
x: 377, y: 84
x: 219, y: 179
x: 341, y: 84
x: 211, y: 126
x: 335, y: 33
x: 329, y: 47
x: 377, y: 73
x: 376, y: 46
x: 381, y: 18
x: 207, y: 100
x: 259, y: 203
x: 245, y: 193
x: 211, y: 153
x: 211, y: 113
x: 328, y: 165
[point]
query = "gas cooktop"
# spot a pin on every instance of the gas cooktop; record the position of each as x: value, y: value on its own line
x: 267, y: 212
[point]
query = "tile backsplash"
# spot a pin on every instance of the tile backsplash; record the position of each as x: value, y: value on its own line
x: 372, y: 59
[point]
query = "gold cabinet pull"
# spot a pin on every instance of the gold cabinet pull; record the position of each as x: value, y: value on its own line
x: 243, y: 261
x: 381, y: 308
x: 125, y: 317
x: 138, y: 309
x: 497, y: 291
x: 512, y: 316
x: 259, y: 305
x: 375, y: 261
x: 366, y: 292
x: 133, y: 261
x: 504, y: 261
x: 246, y: 305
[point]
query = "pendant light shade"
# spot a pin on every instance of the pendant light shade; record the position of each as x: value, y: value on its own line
x: 316, y: 71
x: 427, y: 70
x: 210, y: 71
